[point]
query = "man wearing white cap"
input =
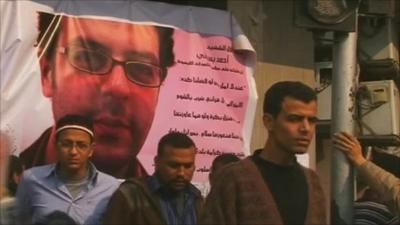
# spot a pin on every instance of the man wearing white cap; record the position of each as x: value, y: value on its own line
x: 72, y: 185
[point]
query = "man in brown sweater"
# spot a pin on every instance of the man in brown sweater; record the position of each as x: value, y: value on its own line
x: 271, y: 187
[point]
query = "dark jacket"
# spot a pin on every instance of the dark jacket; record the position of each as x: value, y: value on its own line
x: 134, y: 203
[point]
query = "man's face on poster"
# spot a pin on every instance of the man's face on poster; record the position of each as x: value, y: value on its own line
x: 106, y: 70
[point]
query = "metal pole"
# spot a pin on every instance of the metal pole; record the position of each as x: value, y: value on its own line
x: 344, y: 80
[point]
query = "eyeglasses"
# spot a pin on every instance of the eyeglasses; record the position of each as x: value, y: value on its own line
x: 97, y: 62
x: 68, y: 145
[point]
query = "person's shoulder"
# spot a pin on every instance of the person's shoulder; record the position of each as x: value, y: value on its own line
x: 37, y: 174
x: 307, y: 170
x: 106, y: 177
x: 312, y: 177
x: 39, y: 171
x: 240, y: 165
x: 136, y: 180
x: 103, y: 178
x: 108, y: 180
x: 237, y: 169
x: 134, y: 183
x: 310, y: 173
x: 232, y: 175
x: 134, y: 186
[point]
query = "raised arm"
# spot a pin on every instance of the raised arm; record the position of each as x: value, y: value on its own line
x: 377, y: 178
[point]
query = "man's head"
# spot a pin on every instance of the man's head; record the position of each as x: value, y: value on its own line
x: 219, y: 162
x: 110, y: 71
x: 175, y: 160
x: 290, y: 110
x: 74, y: 142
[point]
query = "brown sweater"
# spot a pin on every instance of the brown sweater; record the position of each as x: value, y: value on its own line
x: 240, y: 196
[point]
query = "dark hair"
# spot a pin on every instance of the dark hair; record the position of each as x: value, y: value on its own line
x: 45, y: 20
x: 72, y: 119
x: 15, y: 166
x: 275, y: 95
x: 224, y: 159
x: 57, y: 218
x: 176, y: 140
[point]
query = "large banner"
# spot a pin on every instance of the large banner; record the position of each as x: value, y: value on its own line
x: 141, y: 69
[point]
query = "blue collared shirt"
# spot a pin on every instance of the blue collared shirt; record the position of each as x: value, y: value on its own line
x: 41, y: 192
x: 169, y: 205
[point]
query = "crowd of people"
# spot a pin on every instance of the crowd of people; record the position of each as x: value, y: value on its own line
x: 268, y: 187
x: 102, y: 122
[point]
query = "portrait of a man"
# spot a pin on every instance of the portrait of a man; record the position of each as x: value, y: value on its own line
x: 109, y: 70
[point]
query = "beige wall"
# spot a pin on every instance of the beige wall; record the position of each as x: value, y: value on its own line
x: 284, y: 51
